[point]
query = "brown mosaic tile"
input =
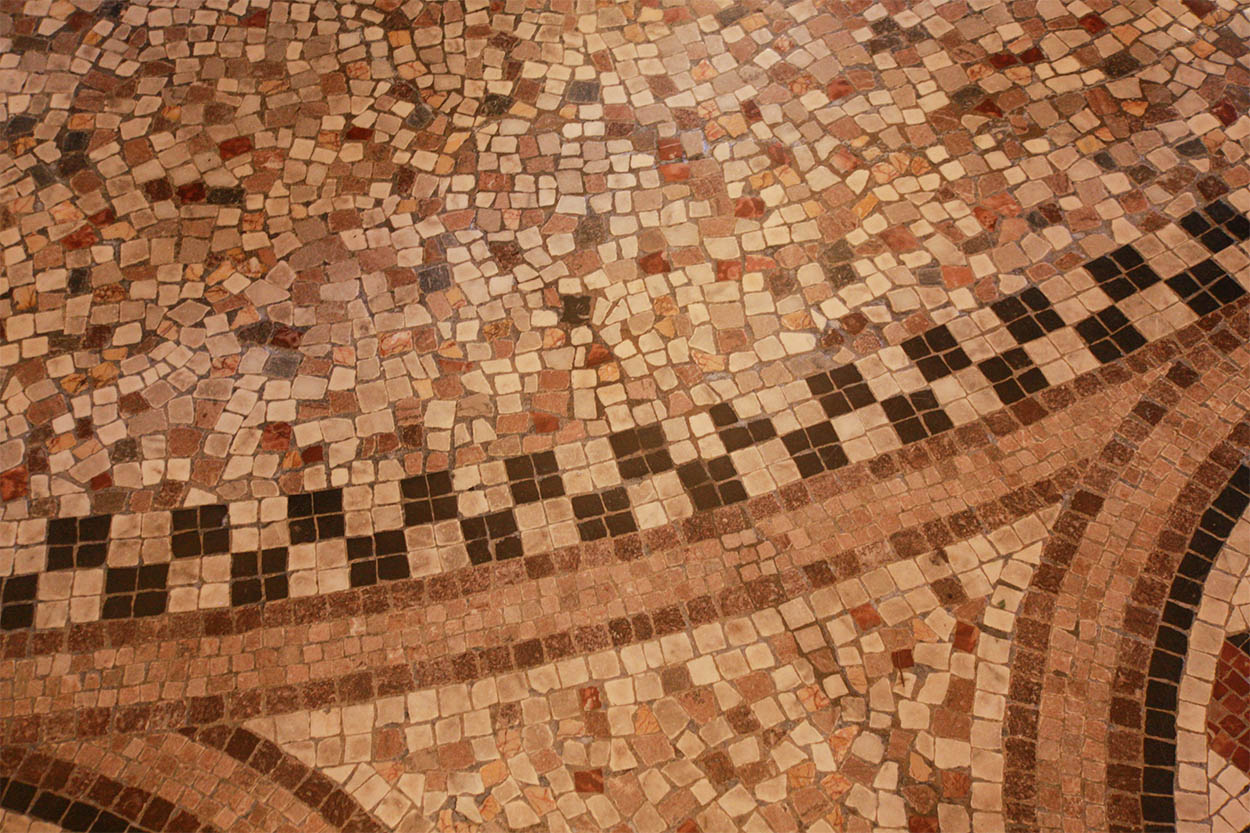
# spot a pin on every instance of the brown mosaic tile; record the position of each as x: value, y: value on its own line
x: 564, y: 416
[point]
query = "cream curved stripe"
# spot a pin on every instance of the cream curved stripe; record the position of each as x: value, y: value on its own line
x: 1211, y: 794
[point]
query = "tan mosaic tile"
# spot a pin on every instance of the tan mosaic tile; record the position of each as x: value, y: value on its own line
x: 566, y: 415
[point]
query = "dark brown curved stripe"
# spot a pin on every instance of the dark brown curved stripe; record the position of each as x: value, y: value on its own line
x: 76, y: 798
x: 22, y: 798
x: 1167, y: 662
x: 1033, y: 626
x: 1225, y: 331
x: 1132, y: 692
x: 318, y: 792
x: 411, y: 593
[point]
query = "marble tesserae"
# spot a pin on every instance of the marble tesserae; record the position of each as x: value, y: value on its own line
x: 624, y: 415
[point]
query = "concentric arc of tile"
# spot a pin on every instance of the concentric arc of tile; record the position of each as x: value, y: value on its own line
x: 1029, y: 660
x: 58, y: 784
x: 264, y: 757
x: 1135, y: 688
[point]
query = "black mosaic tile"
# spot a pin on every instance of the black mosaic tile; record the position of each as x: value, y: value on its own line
x: 841, y: 390
x: 583, y: 92
x: 49, y: 806
x: 1013, y: 375
x: 1216, y: 523
x: 1186, y: 591
x: 936, y: 353
x: 17, y: 601
x: 1172, y: 640
x: 1167, y: 663
x: 722, y: 415
x: 382, y: 556
x: 534, y: 477
x: 1236, y: 223
x: 20, y: 125
x: 226, y: 196
x: 259, y: 576
x: 203, y: 530
x: 1217, y: 226
x: 1122, y: 273
x: 427, y: 498
x: 135, y: 591
x: 815, y: 449
x: 1161, y: 694
x: 66, y: 814
x: 476, y: 539
x: 604, y: 514
x: 79, y: 281
x: 761, y: 429
x: 492, y: 536
x: 575, y: 309
x: 738, y: 436
x: 641, y: 451
x: 17, y: 795
x: 1205, y: 544
x: 72, y: 163
x: 1206, y: 287
x: 1109, y: 334
x: 1160, y: 723
x: 1158, y: 753
x: 1166, y: 666
x: 79, y: 816
x: 1174, y: 614
x: 712, y: 483
x: 316, y: 516
x: 916, y: 416
x: 78, y: 542
x: 495, y: 104
x: 107, y: 822
x: 42, y: 175
x: 1156, y: 780
x: 1121, y: 64
x: 1234, y: 500
x: 1159, y: 810
x: 1028, y: 315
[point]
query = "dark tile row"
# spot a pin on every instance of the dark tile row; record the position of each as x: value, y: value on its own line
x: 1223, y: 333
x: 207, y: 713
x: 28, y: 800
x: 644, y: 451
x: 313, y: 788
x: 1167, y: 660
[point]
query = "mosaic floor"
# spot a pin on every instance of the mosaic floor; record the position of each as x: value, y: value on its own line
x: 625, y: 415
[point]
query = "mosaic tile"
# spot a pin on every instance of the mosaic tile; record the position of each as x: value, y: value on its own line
x: 637, y: 416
